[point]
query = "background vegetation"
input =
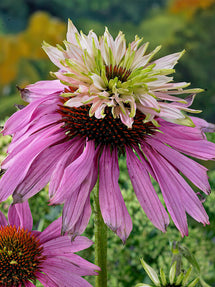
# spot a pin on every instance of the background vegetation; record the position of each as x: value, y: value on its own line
x: 175, y: 24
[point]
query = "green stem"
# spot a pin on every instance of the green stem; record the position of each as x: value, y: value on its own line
x: 100, y: 241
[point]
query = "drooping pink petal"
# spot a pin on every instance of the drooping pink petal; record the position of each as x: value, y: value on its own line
x: 81, y: 223
x: 32, y: 140
x: 22, y: 163
x: 77, y: 209
x: 197, y: 148
x: 20, y: 215
x: 39, y: 172
x: 19, y: 119
x: 3, y: 220
x: 112, y: 205
x: 178, y: 195
x: 145, y: 192
x: 66, y: 158
x: 44, y: 88
x: 203, y: 125
x: 42, y: 123
x: 75, y: 173
x: 125, y: 228
x: 167, y: 184
x: 179, y: 131
x: 191, y: 169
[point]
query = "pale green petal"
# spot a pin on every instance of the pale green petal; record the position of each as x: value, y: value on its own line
x: 172, y: 273
x: 179, y: 278
x: 186, y: 277
x: 193, y: 283
x: 163, y: 277
x: 151, y: 273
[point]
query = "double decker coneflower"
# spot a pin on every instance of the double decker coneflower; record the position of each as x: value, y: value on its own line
x: 108, y: 101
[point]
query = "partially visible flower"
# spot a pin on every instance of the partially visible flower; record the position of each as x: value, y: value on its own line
x: 171, y: 281
x: 62, y: 142
x: 106, y: 73
x: 27, y: 255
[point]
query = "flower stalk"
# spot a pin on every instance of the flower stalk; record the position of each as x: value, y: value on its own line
x: 100, y: 241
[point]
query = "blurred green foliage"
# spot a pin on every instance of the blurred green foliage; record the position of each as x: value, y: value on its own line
x: 145, y: 241
x: 15, y: 13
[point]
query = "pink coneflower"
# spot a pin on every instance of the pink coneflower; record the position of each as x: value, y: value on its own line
x: 27, y: 255
x: 110, y: 102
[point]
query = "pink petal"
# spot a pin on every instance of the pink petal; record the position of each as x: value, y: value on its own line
x: 126, y: 119
x: 203, y: 125
x: 182, y: 198
x: 197, y: 148
x: 82, y: 263
x: 113, y: 209
x: 167, y: 97
x: 44, y: 88
x: 66, y: 158
x: 51, y: 232
x: 22, y: 162
x: 44, y: 122
x: 76, y: 173
x: 57, y: 246
x: 19, y: 119
x: 77, y: 209
x: 63, y: 245
x: 72, y: 266
x: 145, y: 192
x: 3, y: 220
x: 180, y: 132
x: 27, y: 144
x: 39, y: 172
x: 167, y: 184
x: 191, y: 169
x: 81, y: 223
x: 63, y: 277
x: 46, y: 281
x: 20, y: 215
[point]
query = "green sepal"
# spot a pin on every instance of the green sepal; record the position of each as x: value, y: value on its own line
x: 186, y: 276
x: 163, y: 277
x: 179, y: 279
x: 151, y: 273
x: 193, y: 283
x: 172, y: 273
